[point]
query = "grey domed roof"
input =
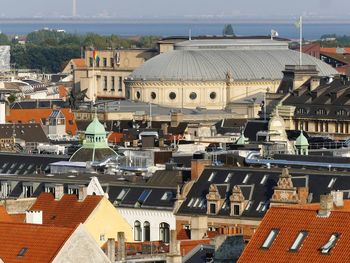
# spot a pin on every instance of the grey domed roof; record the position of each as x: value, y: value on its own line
x: 244, y: 62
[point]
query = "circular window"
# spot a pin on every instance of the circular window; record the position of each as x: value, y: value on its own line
x: 212, y: 95
x: 172, y: 95
x: 193, y: 95
x: 153, y: 95
x: 138, y: 95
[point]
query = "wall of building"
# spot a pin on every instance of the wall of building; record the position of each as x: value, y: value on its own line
x: 105, y: 222
x: 80, y: 248
x: 154, y: 217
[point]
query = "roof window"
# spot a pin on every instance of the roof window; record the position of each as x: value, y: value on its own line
x: 122, y: 194
x: 190, y: 202
x: 167, y: 196
x: 263, y: 180
x: 270, y: 238
x: 246, y: 178
x: 22, y: 252
x: 211, y: 177
x: 331, y: 183
x: 326, y: 248
x: 142, y: 198
x: 298, y: 241
x: 228, y: 177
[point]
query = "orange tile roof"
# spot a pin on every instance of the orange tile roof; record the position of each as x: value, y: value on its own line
x: 42, y: 242
x: 4, y: 216
x: 79, y: 62
x: 187, y: 245
x: 67, y: 211
x: 334, y: 49
x: 290, y: 221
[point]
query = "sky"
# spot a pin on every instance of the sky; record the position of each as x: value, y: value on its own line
x: 176, y: 8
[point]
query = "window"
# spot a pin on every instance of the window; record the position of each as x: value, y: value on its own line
x: 102, y: 237
x: 245, y: 180
x: 91, y: 62
x: 326, y: 248
x: 228, y: 177
x: 298, y: 241
x: 190, y: 202
x: 122, y: 194
x: 164, y: 232
x: 249, y: 205
x: 167, y: 196
x: 120, y: 86
x: 270, y: 238
x: 138, y: 95
x: 212, y: 209
x: 105, y: 62
x: 196, y: 203
x: 236, y: 210
x: 50, y: 189
x: 213, y: 95
x: 112, y: 83
x: 22, y: 252
x: 341, y: 112
x: 153, y: 95
x: 193, y: 95
x: 105, y: 84
x: 211, y: 177
x: 172, y: 95
x: 146, y: 231
x: 137, y: 231
x: 73, y: 190
x: 262, y: 207
x: 27, y: 191
x: 112, y: 62
x: 301, y: 111
x: 331, y: 183
x: 263, y: 180
x: 142, y: 198
x: 321, y: 112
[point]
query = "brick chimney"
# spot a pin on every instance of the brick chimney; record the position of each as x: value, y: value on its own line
x: 59, y: 191
x: 326, y: 205
x: 121, y: 255
x: 34, y: 217
x: 111, y: 249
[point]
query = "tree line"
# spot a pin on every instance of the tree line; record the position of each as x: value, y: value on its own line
x: 50, y: 50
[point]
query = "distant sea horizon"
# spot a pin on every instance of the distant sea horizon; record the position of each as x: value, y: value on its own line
x: 312, y: 31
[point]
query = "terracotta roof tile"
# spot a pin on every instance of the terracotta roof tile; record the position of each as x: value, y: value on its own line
x: 290, y: 221
x: 4, y: 216
x: 79, y: 62
x: 67, y: 211
x: 42, y: 242
x: 187, y: 245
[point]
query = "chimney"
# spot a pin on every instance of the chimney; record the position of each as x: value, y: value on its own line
x: 34, y: 217
x: 174, y: 250
x: 111, y: 249
x: 197, y: 167
x: 326, y: 205
x: 82, y: 193
x: 314, y: 82
x: 338, y: 198
x: 121, y: 247
x: 59, y: 191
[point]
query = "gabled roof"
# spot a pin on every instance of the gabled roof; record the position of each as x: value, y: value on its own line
x: 67, y: 211
x: 79, y: 62
x: 38, y: 243
x: 290, y: 221
x: 31, y: 132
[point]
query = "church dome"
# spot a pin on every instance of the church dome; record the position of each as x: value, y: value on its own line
x: 95, y: 127
x: 301, y: 140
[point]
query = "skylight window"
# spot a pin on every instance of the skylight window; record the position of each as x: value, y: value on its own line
x: 331, y: 183
x: 262, y: 206
x: 167, y: 196
x: 298, y: 241
x: 326, y: 248
x: 202, y: 203
x: 211, y: 177
x: 196, y: 202
x: 190, y: 202
x: 122, y: 194
x: 228, y: 177
x: 270, y: 238
x: 263, y: 180
x: 248, y: 205
x: 22, y: 252
x: 245, y: 180
x: 142, y: 198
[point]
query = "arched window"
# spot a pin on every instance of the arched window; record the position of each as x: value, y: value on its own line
x: 146, y: 231
x: 137, y: 231
x: 164, y: 232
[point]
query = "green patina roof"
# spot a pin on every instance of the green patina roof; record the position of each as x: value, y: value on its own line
x: 301, y: 140
x: 242, y: 139
x: 95, y: 127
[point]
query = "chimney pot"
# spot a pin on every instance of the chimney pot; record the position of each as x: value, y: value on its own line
x: 326, y: 205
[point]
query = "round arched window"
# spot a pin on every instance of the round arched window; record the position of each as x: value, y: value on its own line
x: 213, y: 95
x: 172, y: 95
x: 138, y: 95
x: 193, y: 95
x: 153, y: 95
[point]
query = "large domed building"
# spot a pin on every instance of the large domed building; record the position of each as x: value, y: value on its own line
x: 95, y: 147
x: 214, y: 73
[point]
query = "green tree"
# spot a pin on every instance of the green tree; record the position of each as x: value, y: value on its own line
x: 228, y: 30
x: 4, y: 40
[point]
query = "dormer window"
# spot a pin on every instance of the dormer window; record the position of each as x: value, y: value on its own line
x: 270, y: 238
x: 301, y: 111
x: 341, y: 112
x: 326, y: 248
x: 212, y: 209
x: 321, y: 112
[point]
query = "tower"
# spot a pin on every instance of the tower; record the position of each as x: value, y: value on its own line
x: 74, y: 11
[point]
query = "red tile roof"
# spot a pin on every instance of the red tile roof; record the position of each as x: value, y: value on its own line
x: 67, y: 211
x: 42, y: 242
x: 4, y: 216
x: 187, y: 245
x: 79, y: 62
x: 290, y: 221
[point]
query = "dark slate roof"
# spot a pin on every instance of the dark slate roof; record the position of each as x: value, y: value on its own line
x: 253, y: 190
x: 166, y: 178
x: 35, y: 104
x: 29, y: 132
x: 326, y: 101
x: 12, y: 163
x: 254, y: 126
x: 230, y: 126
